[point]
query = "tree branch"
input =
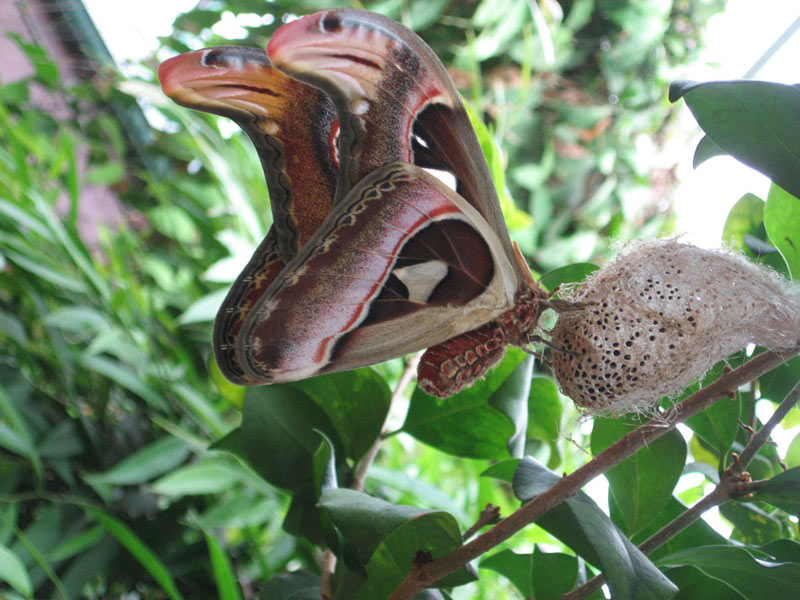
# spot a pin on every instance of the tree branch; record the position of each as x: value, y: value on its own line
x: 732, y: 484
x: 428, y: 574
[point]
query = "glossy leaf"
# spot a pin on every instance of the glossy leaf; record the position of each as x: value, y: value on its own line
x: 744, y: 231
x: 718, y: 424
x: 299, y: 585
x: 782, y: 491
x: 434, y: 533
x: 553, y: 574
x: 753, y: 578
x: 356, y: 402
x: 782, y: 221
x: 517, y: 568
x: 641, y: 485
x: 581, y: 525
x: 363, y: 520
x: 694, y: 584
x: 754, y: 121
x: 752, y: 524
x: 697, y: 534
x: 280, y: 420
x: 387, y: 538
x: 706, y: 149
x: 468, y: 425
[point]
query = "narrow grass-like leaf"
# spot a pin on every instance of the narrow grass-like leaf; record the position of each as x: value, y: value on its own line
x: 140, y: 551
x: 224, y: 575
x: 14, y: 573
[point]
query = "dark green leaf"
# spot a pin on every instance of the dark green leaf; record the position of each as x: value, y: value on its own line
x: 300, y: 585
x: 696, y: 585
x: 434, y: 533
x: 574, y: 273
x: 517, y: 568
x: 782, y: 221
x: 363, y: 520
x: 483, y: 421
x: 279, y: 421
x: 706, y: 149
x: 356, y: 402
x: 553, y: 574
x: 754, y: 121
x: 784, y: 550
x: 146, y: 557
x: 581, y: 525
x: 753, y: 526
x: 698, y: 533
x: 777, y: 384
x: 782, y: 491
x: 753, y: 578
x: 718, y: 424
x: 641, y: 485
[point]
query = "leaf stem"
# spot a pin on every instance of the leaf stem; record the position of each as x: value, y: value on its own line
x: 428, y: 574
x: 732, y: 483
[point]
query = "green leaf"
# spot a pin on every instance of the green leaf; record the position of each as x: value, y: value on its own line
x: 752, y: 525
x: 356, y: 402
x: 718, y: 424
x: 544, y: 410
x: 793, y: 453
x: 502, y: 470
x: 753, y: 578
x: 210, y: 476
x: 225, y: 577
x: 364, y: 521
x: 204, y: 309
x: 140, y: 551
x: 299, y: 585
x: 754, y: 121
x: 145, y: 464
x: 706, y: 149
x: 744, y: 219
x: 484, y: 421
x: 782, y: 491
x: 14, y: 573
x: 433, y: 533
x: 580, y: 524
x: 696, y: 585
x: 782, y: 221
x: 698, y: 533
x: 514, y: 567
x: 574, y: 273
x: 641, y: 485
x: 280, y: 421
x: 124, y: 376
x: 553, y: 574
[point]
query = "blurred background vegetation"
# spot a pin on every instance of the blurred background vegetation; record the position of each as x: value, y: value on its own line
x: 108, y: 395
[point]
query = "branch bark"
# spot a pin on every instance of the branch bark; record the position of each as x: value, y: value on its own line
x: 428, y: 574
x: 730, y: 486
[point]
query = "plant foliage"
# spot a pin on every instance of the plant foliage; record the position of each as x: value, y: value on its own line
x: 129, y: 466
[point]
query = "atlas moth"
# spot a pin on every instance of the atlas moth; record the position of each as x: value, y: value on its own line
x: 369, y: 256
x: 660, y: 315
